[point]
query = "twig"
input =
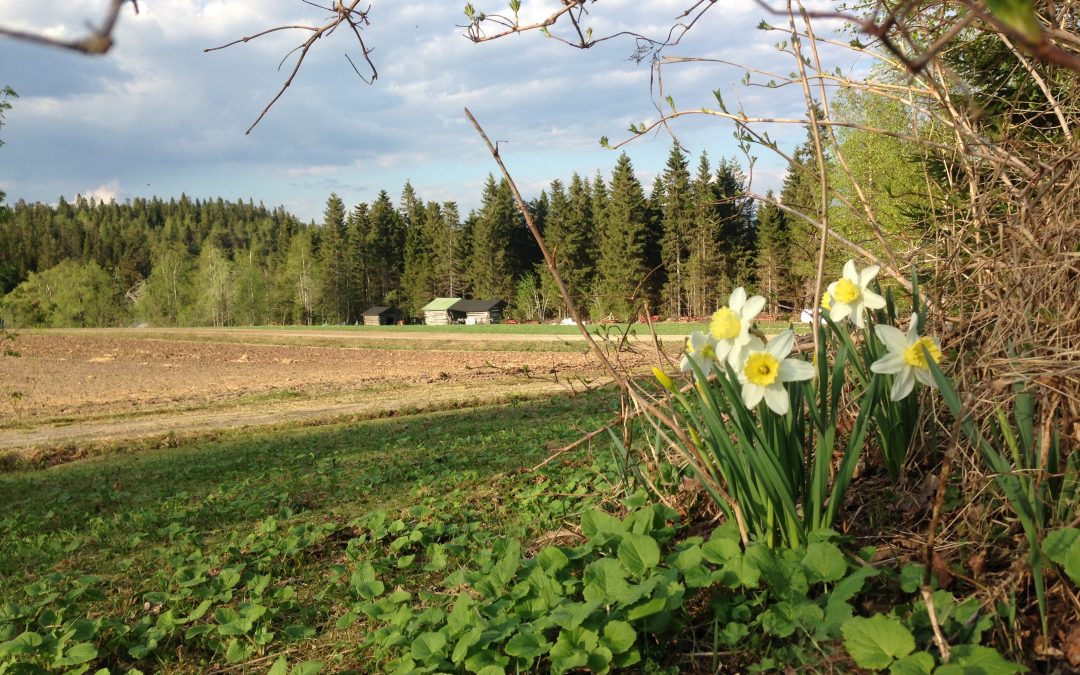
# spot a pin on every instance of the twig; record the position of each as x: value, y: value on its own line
x: 343, y: 14
x: 584, y: 439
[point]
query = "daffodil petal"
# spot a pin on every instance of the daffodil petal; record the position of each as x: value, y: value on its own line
x: 752, y: 394
x: 751, y: 309
x: 737, y: 299
x: 867, y: 275
x: 894, y: 340
x: 857, y: 315
x: 913, y: 329
x: 780, y: 346
x: 889, y: 364
x: 684, y: 365
x: 794, y: 370
x: 850, y: 273
x: 902, y: 384
x: 776, y: 397
x: 923, y: 376
x: 839, y: 312
x: 872, y: 300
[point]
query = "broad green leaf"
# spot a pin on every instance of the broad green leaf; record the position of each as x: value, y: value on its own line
x: 919, y: 663
x: 280, y: 667
x: 428, y: 645
x: 551, y: 559
x: 619, y: 636
x: 645, y: 609
x: 719, y: 551
x: 876, y: 642
x: 572, y: 649
x: 601, y: 528
x: 975, y: 660
x: 605, y: 581
x: 307, y: 668
x: 570, y: 615
x: 639, y: 553
x: 1063, y: 547
x: 686, y: 558
x: 527, y: 644
x: 78, y: 653
x: 486, y: 659
x: 823, y: 562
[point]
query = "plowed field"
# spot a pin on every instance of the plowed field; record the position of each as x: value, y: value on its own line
x: 74, y: 388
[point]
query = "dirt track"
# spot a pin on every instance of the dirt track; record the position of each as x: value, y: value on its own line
x: 74, y: 387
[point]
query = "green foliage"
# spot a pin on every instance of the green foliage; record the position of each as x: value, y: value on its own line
x: 69, y: 294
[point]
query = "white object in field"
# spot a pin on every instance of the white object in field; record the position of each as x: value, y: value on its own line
x: 807, y: 316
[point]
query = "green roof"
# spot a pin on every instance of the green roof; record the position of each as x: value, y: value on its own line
x: 439, y: 304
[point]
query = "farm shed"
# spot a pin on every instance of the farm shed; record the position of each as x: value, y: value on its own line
x: 477, y: 311
x: 437, y: 312
x: 381, y: 316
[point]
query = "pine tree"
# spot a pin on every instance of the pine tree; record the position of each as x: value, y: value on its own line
x: 386, y: 246
x: 678, y: 217
x: 571, y: 240
x: 736, y: 222
x: 333, y: 290
x: 621, y: 267
x: 417, y: 277
x: 703, y: 261
x: 490, y: 271
x: 771, y: 262
x: 358, y: 255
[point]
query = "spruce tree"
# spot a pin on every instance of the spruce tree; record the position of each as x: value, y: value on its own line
x: 333, y: 292
x: 490, y: 271
x: 703, y: 261
x: 621, y: 266
x: 678, y: 217
x: 772, y: 256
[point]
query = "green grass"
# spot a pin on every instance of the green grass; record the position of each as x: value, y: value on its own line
x: 114, y: 544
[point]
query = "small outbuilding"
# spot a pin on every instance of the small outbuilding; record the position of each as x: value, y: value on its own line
x: 477, y: 311
x: 437, y: 312
x: 381, y: 316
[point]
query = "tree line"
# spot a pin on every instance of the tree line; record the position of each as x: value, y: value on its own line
x: 674, y: 251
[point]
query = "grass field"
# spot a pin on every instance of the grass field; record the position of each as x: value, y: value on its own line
x: 126, y: 549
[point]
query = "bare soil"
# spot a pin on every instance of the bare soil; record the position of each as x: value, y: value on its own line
x: 89, y: 386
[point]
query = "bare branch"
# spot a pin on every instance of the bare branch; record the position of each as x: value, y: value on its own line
x: 343, y: 13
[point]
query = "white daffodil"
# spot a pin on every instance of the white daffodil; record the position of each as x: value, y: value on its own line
x: 700, y: 349
x: 763, y: 370
x: 730, y: 326
x: 849, y: 294
x: 906, y: 360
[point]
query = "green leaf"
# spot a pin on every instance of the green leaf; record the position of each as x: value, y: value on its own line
x: 1063, y: 547
x: 527, y: 644
x: 823, y: 562
x: 619, y: 636
x: 875, y: 642
x: 919, y: 663
x: 427, y: 646
x: 78, y: 653
x: 719, y: 551
x: 551, y: 559
x: 975, y: 660
x: 639, y: 553
x: 605, y: 581
x: 307, y: 668
x: 280, y: 667
x: 601, y: 528
x: 1018, y: 15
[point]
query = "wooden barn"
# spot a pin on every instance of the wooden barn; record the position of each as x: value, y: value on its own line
x: 437, y: 312
x: 477, y: 311
x: 381, y: 316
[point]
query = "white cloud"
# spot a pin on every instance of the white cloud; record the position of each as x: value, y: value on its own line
x: 108, y: 192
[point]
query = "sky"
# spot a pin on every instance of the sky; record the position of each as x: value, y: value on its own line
x: 158, y: 116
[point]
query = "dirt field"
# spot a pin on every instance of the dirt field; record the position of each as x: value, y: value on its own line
x: 90, y: 386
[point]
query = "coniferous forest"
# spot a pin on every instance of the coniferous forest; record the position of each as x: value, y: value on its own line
x: 673, y: 249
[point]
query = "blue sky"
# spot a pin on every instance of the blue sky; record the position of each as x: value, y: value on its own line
x: 158, y: 116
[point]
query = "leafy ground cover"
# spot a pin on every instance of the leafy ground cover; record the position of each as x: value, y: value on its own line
x: 427, y: 544
x: 142, y: 560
